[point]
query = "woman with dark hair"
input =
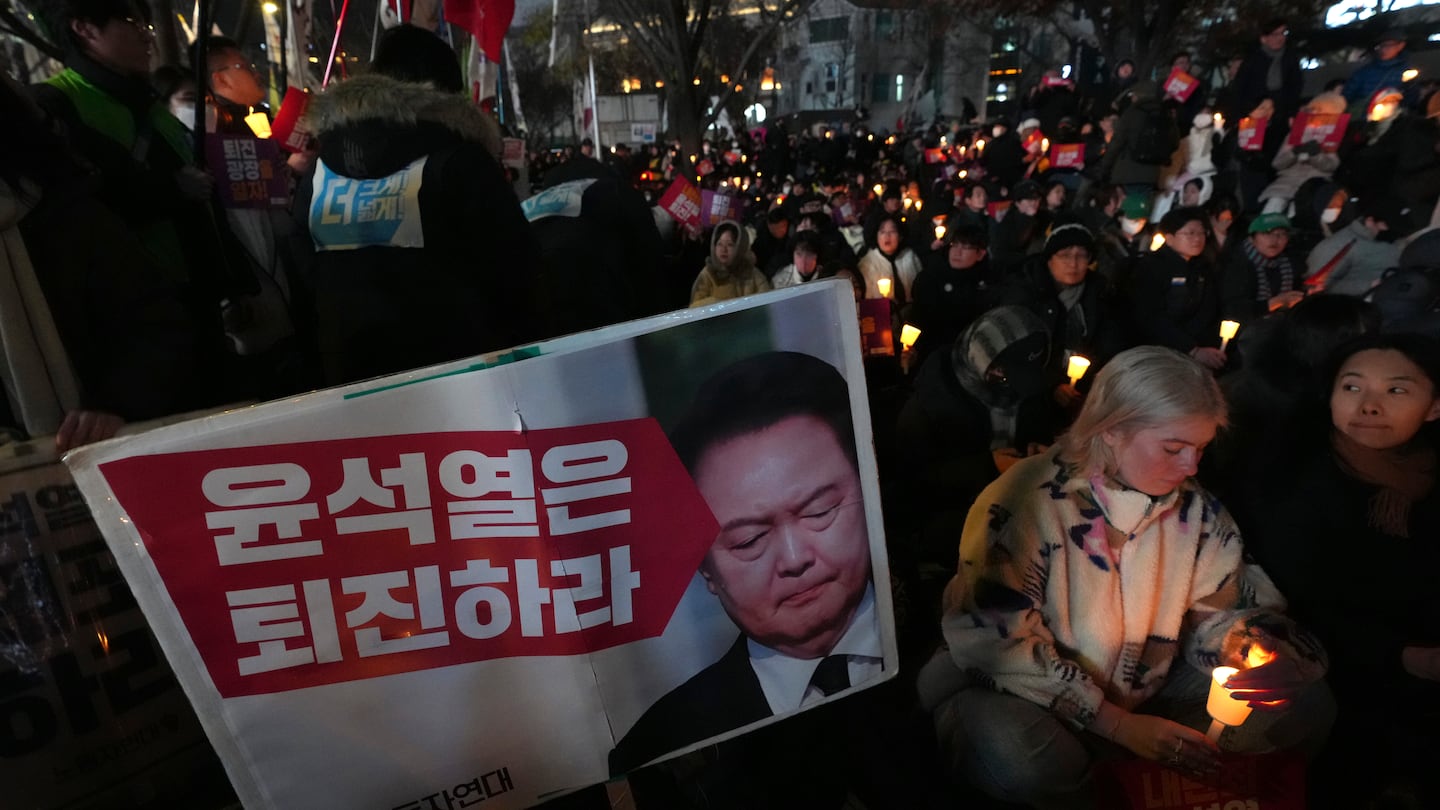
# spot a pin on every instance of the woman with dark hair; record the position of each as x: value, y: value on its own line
x: 889, y: 258
x: 1283, y: 376
x: 1350, y: 537
x: 729, y: 271
x: 1174, y: 293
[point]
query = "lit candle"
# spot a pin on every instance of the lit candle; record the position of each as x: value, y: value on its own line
x: 1077, y: 368
x: 1157, y: 243
x: 908, y: 335
x: 1219, y: 121
x: 939, y: 232
x: 259, y: 124
x: 1044, y: 145
x: 879, y: 189
x: 1225, y: 709
x: 1227, y: 331
x: 884, y: 285
x: 980, y: 145
x: 917, y: 205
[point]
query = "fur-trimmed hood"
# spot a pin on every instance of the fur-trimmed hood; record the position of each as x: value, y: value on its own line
x: 372, y: 125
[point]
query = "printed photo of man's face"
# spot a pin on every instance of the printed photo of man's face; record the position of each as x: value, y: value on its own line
x: 792, y: 561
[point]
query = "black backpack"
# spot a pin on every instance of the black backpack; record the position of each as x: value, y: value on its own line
x: 1159, y: 137
x: 1409, y: 300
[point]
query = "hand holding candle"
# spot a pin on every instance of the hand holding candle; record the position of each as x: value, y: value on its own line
x: 1077, y: 368
x: 1228, y: 329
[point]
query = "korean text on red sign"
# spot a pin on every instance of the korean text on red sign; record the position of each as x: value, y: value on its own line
x: 314, y: 563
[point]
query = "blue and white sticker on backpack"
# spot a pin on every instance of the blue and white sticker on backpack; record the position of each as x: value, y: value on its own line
x: 348, y: 214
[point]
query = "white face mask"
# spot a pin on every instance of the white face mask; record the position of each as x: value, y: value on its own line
x: 1131, y: 226
x: 1329, y: 215
x: 996, y: 132
x: 184, y: 112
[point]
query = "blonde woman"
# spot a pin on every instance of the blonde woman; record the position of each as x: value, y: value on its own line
x: 1098, y: 586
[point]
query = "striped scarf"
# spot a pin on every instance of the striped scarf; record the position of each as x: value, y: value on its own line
x: 1264, y: 267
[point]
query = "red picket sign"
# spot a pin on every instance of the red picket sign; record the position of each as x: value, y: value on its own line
x: 286, y: 131
x: 1067, y: 156
x: 1252, y: 133
x: 1180, y: 85
x: 682, y: 201
x: 1325, y: 129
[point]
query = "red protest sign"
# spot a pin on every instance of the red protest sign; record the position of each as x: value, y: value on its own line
x: 1067, y: 156
x: 312, y: 563
x: 1180, y: 85
x: 247, y: 171
x: 1255, y: 782
x: 682, y: 201
x: 1328, y: 130
x: 286, y: 131
x: 704, y: 167
x: 877, y: 332
x: 1251, y: 133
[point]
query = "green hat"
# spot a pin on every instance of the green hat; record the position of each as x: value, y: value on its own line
x: 1270, y: 222
x: 1136, y: 206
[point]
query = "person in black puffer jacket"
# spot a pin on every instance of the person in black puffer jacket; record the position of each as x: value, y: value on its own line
x: 423, y: 252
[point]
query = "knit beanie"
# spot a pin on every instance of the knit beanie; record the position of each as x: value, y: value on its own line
x: 1008, y: 338
x: 1069, y: 234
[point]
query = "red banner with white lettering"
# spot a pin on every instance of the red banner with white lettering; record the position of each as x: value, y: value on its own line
x: 299, y: 565
x: 1325, y: 129
x: 682, y: 201
x: 1180, y: 85
x: 1067, y: 156
x: 1251, y: 133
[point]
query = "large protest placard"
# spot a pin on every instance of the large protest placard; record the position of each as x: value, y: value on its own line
x: 516, y: 575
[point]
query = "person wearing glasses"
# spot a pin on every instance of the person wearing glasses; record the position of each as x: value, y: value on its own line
x: 956, y: 286
x: 104, y: 106
x: 1080, y: 307
x: 1174, y: 293
x: 235, y: 86
x: 1271, y: 70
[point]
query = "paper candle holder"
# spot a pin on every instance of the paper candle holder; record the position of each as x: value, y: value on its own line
x: 1224, y: 708
x: 908, y: 335
x: 1076, y: 368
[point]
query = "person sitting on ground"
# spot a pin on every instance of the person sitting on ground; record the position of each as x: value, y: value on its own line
x: 1079, y: 307
x: 1174, y: 292
x: 805, y: 262
x: 1351, y: 260
x: 889, y: 258
x: 956, y: 286
x: 729, y: 271
x: 1260, y: 277
x: 979, y: 404
x: 1018, y: 233
x: 1283, y: 374
x: 1348, y: 532
x: 1295, y: 165
x: 1098, y: 587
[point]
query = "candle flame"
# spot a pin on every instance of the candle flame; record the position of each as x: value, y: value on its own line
x: 1228, y: 329
x: 884, y: 286
x: 1157, y: 243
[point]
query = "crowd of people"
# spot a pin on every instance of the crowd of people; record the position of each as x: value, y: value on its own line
x: 1244, y: 471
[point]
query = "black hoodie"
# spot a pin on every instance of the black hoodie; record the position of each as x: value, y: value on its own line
x: 423, y: 253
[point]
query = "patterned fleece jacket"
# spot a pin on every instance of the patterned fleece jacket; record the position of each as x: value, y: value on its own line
x: 1078, y: 594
